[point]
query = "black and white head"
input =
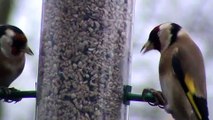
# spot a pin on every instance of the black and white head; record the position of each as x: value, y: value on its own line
x: 13, y: 42
x: 161, y: 37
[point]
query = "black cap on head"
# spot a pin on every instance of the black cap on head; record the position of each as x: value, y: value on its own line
x: 3, y: 28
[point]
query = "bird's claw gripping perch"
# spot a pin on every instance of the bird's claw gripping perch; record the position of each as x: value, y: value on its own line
x: 159, y: 99
x: 152, y: 96
x: 6, y: 95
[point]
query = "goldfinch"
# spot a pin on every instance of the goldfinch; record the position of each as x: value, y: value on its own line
x: 181, y: 72
x: 13, y: 46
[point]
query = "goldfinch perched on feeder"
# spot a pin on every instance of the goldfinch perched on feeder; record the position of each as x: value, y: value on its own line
x: 13, y: 46
x: 181, y: 71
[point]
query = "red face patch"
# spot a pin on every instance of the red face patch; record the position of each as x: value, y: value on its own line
x: 21, y: 38
x: 19, y: 42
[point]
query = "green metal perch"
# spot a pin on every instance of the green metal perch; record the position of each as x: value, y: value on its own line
x: 14, y: 95
x: 153, y: 97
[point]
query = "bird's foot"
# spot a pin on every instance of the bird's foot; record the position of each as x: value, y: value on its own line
x: 5, y: 95
x: 159, y: 101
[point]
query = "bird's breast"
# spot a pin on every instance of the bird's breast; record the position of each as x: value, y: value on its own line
x: 10, y: 70
x: 177, y: 101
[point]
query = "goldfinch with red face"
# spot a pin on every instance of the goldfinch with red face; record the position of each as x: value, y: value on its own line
x: 181, y: 72
x: 13, y: 46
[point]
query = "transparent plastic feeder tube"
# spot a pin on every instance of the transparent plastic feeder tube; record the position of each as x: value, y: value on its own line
x: 84, y: 61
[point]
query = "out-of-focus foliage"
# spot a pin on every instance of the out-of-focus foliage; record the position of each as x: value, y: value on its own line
x: 5, y: 9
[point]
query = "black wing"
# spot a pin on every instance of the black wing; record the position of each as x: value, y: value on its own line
x: 199, y: 104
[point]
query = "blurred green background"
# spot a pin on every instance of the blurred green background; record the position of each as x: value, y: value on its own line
x: 195, y: 16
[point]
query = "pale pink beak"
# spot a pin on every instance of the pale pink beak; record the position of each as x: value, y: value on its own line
x: 147, y: 47
x: 28, y: 51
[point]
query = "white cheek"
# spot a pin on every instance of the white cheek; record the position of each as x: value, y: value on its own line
x: 10, y: 33
x: 165, y: 39
x: 6, y: 43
